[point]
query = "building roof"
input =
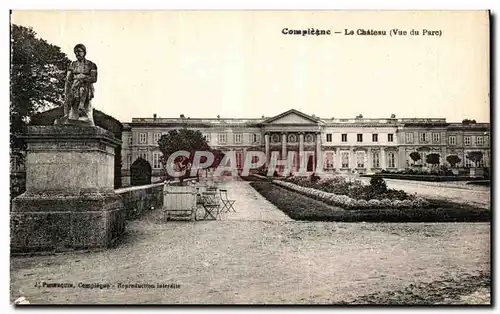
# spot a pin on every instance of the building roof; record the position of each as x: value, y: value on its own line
x: 257, y: 122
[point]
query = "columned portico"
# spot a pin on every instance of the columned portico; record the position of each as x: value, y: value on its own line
x: 301, y: 151
x: 369, y: 161
x: 382, y: 158
x: 266, y: 137
x: 352, y: 161
x: 338, y: 161
x: 319, y: 156
x: 283, y: 146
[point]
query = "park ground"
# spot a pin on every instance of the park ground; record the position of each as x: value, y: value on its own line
x: 259, y: 255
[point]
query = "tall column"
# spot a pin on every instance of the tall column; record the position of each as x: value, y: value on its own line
x: 319, y: 155
x: 369, y: 159
x: 266, y: 137
x: 382, y: 158
x: 301, y: 151
x: 352, y: 161
x: 283, y: 145
x: 401, y: 162
x: 338, y: 160
x: 443, y: 155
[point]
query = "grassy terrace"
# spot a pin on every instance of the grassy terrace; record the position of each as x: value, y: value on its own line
x: 300, y: 207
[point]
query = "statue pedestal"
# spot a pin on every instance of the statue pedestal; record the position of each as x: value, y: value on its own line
x: 69, y: 201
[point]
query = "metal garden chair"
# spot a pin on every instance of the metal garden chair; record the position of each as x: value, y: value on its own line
x: 227, y: 204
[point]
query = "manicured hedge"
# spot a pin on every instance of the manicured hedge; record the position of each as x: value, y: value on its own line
x: 347, y: 202
x: 415, y: 177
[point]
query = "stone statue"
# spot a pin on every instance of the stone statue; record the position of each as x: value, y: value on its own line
x: 79, y: 90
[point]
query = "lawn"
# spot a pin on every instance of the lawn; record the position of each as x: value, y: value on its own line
x: 300, y: 207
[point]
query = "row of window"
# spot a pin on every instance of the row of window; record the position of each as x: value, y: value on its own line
x: 255, y: 138
x: 360, y: 160
x: 237, y: 138
x: 424, y: 138
x: 452, y: 140
x: 328, y: 162
x: 157, y: 159
x: 221, y: 138
x: 359, y: 137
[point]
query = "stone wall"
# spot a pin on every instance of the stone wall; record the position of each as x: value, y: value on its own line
x: 138, y: 200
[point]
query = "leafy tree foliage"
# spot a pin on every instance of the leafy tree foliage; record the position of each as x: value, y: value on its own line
x: 433, y: 159
x: 453, y: 160
x: 475, y: 156
x: 178, y: 140
x: 37, y: 76
x: 468, y: 121
x: 415, y: 156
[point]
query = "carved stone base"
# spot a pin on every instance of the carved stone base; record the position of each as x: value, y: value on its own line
x: 83, y: 121
x: 69, y: 201
x: 57, y: 222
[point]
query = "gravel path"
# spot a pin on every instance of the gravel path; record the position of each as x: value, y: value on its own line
x: 250, y: 205
x: 258, y: 256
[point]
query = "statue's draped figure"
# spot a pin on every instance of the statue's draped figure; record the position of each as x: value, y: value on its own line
x: 79, y: 88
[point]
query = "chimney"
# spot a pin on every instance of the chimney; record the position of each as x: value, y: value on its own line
x: 218, y: 116
x: 182, y: 116
x: 154, y: 115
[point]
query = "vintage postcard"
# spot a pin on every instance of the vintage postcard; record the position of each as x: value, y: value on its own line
x: 250, y: 157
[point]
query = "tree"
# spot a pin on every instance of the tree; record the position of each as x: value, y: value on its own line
x: 475, y: 156
x: 37, y: 77
x: 181, y: 140
x: 415, y: 156
x: 468, y: 121
x: 453, y: 160
x: 433, y: 159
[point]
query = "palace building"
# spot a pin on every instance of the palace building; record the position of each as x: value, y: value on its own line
x: 364, y: 145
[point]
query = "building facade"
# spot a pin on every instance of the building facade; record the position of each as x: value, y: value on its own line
x: 364, y: 145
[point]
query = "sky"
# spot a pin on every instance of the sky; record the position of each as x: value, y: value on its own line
x: 240, y: 64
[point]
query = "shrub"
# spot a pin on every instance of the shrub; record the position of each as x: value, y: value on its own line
x: 378, y: 184
x: 486, y: 173
x: 314, y: 177
x: 444, y: 171
x: 397, y: 194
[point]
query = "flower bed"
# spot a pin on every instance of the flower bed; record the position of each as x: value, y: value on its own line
x: 301, y: 207
x: 353, y: 188
x: 428, y: 178
x: 352, y: 195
